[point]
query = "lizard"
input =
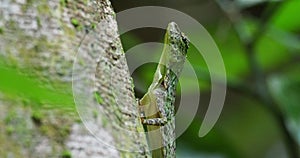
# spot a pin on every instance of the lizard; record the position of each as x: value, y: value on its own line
x: 157, y: 106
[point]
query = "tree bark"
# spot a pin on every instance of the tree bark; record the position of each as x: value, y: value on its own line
x: 45, y: 36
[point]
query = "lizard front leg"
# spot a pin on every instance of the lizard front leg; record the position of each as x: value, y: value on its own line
x: 158, y: 121
x: 155, y: 121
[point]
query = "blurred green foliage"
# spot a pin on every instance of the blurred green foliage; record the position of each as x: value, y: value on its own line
x: 246, y: 128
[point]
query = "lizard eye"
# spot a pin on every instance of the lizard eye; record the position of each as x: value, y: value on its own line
x: 185, y: 40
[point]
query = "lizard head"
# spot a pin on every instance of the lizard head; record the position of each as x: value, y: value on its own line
x: 176, y: 39
x: 175, y: 50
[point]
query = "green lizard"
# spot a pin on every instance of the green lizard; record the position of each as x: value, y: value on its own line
x: 157, y: 105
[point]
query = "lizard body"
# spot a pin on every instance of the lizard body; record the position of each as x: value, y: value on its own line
x: 157, y: 106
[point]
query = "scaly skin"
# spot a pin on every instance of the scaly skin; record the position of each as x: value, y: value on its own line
x: 157, y: 105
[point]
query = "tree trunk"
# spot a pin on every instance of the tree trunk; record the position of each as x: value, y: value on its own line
x: 44, y: 37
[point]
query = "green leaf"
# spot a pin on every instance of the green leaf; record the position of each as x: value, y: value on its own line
x: 286, y: 89
x: 271, y: 53
x: 230, y: 44
x: 287, y: 17
x: 285, y: 38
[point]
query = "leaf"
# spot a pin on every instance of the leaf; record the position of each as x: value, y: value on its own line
x: 271, y: 53
x: 287, y: 17
x: 285, y: 38
x: 285, y: 89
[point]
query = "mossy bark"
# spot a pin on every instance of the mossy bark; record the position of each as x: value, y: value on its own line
x: 43, y: 37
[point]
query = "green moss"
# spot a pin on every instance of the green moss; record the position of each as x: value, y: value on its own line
x: 12, y: 25
x: 26, y: 6
x: 37, y: 117
x: 79, y: 28
x: 55, y: 132
x: 66, y: 154
x: 43, y: 8
x: 68, y: 31
x: 11, y: 116
x: 85, y: 2
x: 93, y: 26
x: 1, y: 31
x: 78, y: 120
x: 10, y: 130
x: 95, y: 114
x: 104, y: 121
x: 63, y: 3
x: 25, y: 101
x: 98, y: 98
x: 58, y: 130
x: 38, y: 21
x: 75, y: 22
x: 45, y: 130
x: 11, y: 60
x: 65, y: 131
x: 81, y: 62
